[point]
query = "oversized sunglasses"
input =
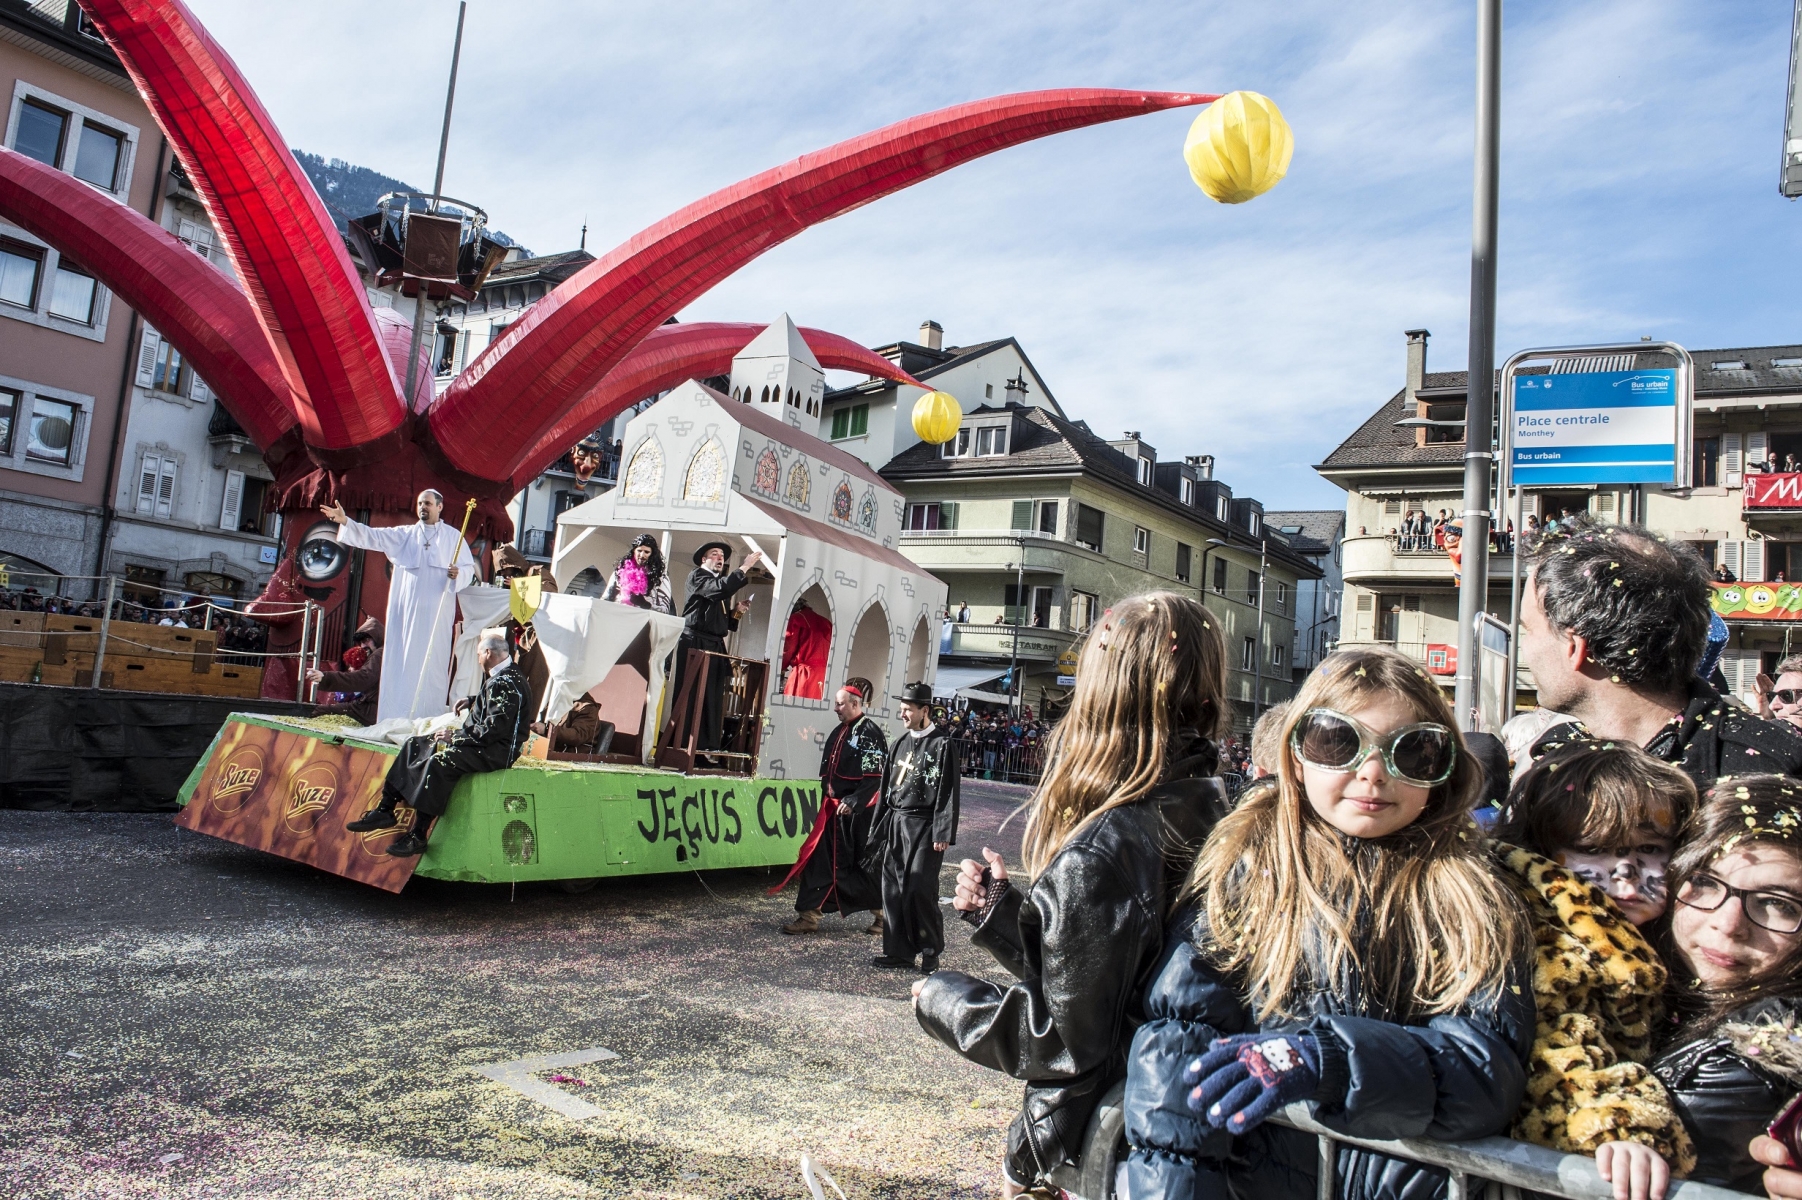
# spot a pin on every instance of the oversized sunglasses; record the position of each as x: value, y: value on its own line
x: 1422, y: 754
x: 1778, y: 912
x: 1785, y: 695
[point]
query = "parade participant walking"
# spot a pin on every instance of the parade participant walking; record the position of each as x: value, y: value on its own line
x: 431, y: 564
x: 706, y: 620
x: 428, y: 768
x: 830, y: 864
x: 920, y: 794
x: 1614, y: 621
x: 1130, y: 795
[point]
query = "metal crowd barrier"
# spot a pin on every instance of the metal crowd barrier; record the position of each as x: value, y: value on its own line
x: 1494, y: 1168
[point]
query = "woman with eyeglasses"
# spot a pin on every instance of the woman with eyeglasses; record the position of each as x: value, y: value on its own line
x: 1736, y: 945
x: 1350, y: 947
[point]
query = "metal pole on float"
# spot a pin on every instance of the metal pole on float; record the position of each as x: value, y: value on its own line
x: 450, y: 96
x: 300, y: 681
x: 1479, y: 410
x: 106, y: 628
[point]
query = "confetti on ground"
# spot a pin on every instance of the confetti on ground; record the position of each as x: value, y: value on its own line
x: 187, y: 1018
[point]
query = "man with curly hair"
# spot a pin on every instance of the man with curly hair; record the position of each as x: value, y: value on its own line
x: 1614, y: 622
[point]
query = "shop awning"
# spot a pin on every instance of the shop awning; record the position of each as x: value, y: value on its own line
x: 982, y: 697
x: 952, y: 680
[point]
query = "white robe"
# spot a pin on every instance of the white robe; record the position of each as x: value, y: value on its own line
x: 422, y: 608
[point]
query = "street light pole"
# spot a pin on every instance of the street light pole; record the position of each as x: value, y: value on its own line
x: 1479, y: 409
x: 1013, y: 667
x: 1257, y: 654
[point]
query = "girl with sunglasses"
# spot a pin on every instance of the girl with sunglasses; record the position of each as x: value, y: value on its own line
x: 1736, y: 946
x: 1349, y: 947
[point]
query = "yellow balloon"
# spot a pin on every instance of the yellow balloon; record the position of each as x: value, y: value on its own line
x: 937, y: 416
x: 1239, y: 147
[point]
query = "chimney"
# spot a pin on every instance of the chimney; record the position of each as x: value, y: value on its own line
x: 1132, y: 435
x: 1203, y: 464
x: 932, y: 335
x: 1417, y: 374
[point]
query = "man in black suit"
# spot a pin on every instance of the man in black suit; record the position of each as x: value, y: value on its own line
x: 428, y: 767
x: 706, y: 620
x: 921, y: 791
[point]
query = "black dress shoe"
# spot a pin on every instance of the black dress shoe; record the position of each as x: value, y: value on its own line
x: 928, y: 963
x: 407, y: 845
x: 893, y: 964
x: 374, y: 819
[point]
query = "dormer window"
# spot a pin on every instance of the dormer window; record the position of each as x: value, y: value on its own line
x: 1257, y: 524
x: 1187, y: 490
x: 958, y: 446
x: 1145, y: 465
x: 1220, y: 508
x: 991, y: 440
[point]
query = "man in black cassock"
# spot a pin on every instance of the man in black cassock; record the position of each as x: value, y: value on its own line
x: 428, y: 767
x: 706, y: 620
x: 920, y: 795
x: 830, y: 866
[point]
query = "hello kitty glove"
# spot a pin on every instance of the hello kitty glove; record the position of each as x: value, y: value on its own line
x: 1242, y: 1080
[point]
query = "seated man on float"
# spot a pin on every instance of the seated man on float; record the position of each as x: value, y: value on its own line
x: 429, y: 767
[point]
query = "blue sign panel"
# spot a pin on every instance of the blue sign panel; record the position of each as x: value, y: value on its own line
x: 1595, y: 427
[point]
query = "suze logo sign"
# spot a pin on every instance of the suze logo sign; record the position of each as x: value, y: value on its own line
x: 1774, y: 491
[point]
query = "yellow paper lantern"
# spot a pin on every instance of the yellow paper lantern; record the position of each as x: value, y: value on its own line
x: 937, y: 416
x: 1239, y: 147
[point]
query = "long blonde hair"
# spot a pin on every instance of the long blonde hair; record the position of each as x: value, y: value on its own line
x: 1153, y: 665
x: 1419, y: 917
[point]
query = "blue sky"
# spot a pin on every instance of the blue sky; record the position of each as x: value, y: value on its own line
x: 1640, y: 145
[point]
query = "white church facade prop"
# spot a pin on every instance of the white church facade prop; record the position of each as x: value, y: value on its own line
x: 699, y: 466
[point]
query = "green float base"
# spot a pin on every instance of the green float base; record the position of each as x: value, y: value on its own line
x: 553, y: 821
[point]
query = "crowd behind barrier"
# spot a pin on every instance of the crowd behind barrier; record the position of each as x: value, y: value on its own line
x: 241, y: 640
x: 999, y: 746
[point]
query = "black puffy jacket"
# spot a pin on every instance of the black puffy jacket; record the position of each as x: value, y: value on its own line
x: 1084, y: 941
x: 1727, y: 1098
x: 1452, y: 1077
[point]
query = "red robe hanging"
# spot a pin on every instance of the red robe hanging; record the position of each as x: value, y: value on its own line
x: 805, y: 648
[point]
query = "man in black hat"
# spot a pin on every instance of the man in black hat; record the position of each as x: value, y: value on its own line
x: 706, y: 620
x: 920, y: 794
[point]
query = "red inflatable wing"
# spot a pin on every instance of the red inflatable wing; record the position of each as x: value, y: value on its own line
x: 673, y: 353
x: 193, y: 304
x: 284, y: 245
x: 523, y: 385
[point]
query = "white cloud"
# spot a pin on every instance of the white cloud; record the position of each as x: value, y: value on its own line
x: 1640, y: 141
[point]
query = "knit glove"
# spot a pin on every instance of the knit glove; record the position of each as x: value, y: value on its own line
x: 1243, y: 1080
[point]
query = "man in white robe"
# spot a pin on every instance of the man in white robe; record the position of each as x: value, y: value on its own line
x: 431, y: 564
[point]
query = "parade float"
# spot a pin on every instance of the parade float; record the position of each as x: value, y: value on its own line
x: 291, y: 346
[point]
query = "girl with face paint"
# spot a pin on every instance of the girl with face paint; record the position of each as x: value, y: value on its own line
x: 1586, y: 836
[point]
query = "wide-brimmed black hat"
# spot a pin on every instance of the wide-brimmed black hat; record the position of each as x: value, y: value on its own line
x: 916, y: 693
x: 724, y: 548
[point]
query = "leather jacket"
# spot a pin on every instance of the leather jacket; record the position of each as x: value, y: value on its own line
x: 1725, y: 1098
x: 1083, y: 940
x: 1450, y: 1077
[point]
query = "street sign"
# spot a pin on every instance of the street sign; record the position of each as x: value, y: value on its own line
x: 1595, y: 427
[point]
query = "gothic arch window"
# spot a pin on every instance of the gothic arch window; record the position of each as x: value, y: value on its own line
x: 866, y: 512
x: 768, y: 478
x: 841, y: 503
x: 800, y: 485
x: 705, y: 479
x: 644, y: 474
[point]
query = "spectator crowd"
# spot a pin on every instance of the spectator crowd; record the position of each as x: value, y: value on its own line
x: 1593, y: 944
x: 241, y: 639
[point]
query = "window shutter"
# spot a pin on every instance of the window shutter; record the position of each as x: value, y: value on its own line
x: 165, y: 489
x: 1732, y: 461
x: 1392, y: 508
x: 1022, y: 514
x: 147, y: 476
x: 947, y: 516
x: 147, y: 357
x: 1757, y: 445
x: 1730, y: 556
x: 1604, y: 504
x: 197, y: 238
x: 229, y: 514
x: 1752, y: 555
x: 198, y: 390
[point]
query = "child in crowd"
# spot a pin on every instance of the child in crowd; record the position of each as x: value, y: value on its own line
x: 1588, y: 820
x: 1736, y: 952
x: 1350, y: 946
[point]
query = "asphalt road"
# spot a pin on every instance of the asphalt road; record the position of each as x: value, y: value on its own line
x: 182, y: 1017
